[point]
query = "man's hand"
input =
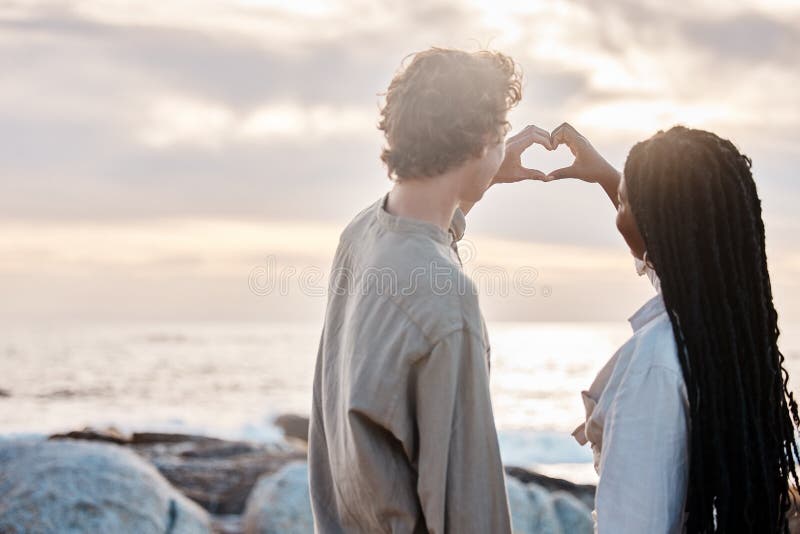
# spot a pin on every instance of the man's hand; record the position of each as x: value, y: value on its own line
x: 511, y: 170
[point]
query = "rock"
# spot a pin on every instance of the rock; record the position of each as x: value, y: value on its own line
x: 524, y: 516
x: 4, y: 393
x: 536, y: 510
x: 280, y: 503
x: 149, y: 438
x: 111, y: 435
x: 216, y: 473
x: 218, y: 449
x: 190, y: 446
x: 584, y: 492
x: 270, y: 486
x: 74, y: 486
x: 227, y: 524
x: 293, y: 426
x: 573, y: 515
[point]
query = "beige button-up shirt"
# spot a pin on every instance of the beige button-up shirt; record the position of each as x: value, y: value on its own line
x: 402, y: 434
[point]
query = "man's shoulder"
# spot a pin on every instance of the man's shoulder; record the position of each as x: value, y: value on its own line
x: 359, y: 223
x: 427, y: 286
x: 436, y: 295
x: 407, y: 255
x: 412, y: 272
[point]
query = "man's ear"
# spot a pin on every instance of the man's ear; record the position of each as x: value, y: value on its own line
x: 487, y: 142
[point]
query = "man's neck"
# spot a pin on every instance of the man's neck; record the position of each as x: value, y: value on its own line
x: 432, y: 200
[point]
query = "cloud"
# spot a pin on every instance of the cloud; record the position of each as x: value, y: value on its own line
x: 105, y: 115
x: 180, y: 120
x: 681, y: 64
x: 189, y: 109
x: 116, y: 114
x: 745, y: 38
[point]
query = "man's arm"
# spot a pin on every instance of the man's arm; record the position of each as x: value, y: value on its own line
x: 461, y: 485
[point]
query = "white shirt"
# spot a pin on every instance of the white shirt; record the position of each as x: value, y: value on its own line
x: 637, y: 421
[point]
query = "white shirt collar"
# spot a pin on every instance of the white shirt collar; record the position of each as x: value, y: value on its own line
x: 649, y: 311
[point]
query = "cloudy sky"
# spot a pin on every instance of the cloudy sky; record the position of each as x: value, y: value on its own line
x: 155, y: 155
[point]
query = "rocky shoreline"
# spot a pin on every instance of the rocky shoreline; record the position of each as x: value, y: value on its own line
x: 105, y: 480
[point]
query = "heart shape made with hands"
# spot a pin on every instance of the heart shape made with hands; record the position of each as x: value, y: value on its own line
x: 554, y: 158
x: 547, y: 161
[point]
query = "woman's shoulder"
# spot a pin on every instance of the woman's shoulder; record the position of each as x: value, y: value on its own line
x: 653, y: 348
x: 647, y: 364
x: 651, y: 353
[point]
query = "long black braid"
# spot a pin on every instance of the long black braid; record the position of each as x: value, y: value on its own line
x: 696, y: 206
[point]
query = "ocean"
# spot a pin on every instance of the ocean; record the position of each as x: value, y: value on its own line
x: 231, y: 380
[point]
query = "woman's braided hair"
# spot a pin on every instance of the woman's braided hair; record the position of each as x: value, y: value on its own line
x: 696, y: 206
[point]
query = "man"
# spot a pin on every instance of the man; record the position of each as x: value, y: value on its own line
x: 402, y: 435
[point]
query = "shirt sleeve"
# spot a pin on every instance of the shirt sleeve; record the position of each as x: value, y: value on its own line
x: 461, y: 485
x: 644, y: 459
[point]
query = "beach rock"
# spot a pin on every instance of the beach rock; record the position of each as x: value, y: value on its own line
x: 217, y: 474
x: 77, y: 486
x: 536, y: 510
x: 150, y: 438
x: 584, y: 492
x: 293, y: 426
x: 523, y: 516
x: 573, y: 515
x: 227, y: 524
x: 280, y: 503
x: 111, y: 435
x: 266, y: 482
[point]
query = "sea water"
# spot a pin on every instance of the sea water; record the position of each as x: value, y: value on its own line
x: 232, y: 379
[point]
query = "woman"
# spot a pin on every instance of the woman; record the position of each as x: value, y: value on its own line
x: 691, y: 421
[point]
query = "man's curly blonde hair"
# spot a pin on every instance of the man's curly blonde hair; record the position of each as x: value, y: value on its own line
x: 444, y: 107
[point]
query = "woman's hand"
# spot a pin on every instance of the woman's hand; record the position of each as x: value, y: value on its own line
x: 588, y: 166
x: 511, y: 170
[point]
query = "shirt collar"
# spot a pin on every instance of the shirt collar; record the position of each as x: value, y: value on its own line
x: 649, y: 311
x: 407, y: 224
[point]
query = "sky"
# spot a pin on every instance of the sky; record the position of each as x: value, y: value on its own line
x: 159, y: 159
